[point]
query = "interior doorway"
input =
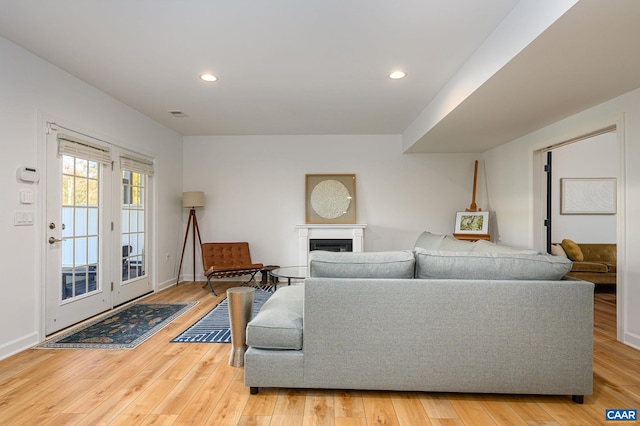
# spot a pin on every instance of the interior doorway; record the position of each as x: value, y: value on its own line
x: 594, y: 157
x: 591, y: 161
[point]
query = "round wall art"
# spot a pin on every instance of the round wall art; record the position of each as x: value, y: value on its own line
x: 330, y: 199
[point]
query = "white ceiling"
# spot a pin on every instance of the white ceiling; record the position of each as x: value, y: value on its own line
x: 320, y: 67
x: 588, y: 56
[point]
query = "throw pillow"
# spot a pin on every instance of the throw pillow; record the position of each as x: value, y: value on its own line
x: 573, y: 250
x: 557, y: 250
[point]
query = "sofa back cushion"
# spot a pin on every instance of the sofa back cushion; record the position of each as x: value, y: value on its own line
x: 482, y: 246
x: 429, y: 241
x: 390, y: 264
x: 489, y: 265
x: 605, y: 253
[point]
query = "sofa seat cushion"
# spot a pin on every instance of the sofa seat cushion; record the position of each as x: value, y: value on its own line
x: 278, y: 325
x: 594, y: 277
x: 589, y: 267
x: 390, y: 264
x: 489, y: 265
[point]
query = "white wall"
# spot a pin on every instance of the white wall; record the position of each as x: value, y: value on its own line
x: 511, y: 190
x: 255, y: 185
x: 31, y: 89
x: 255, y: 189
x: 595, y: 157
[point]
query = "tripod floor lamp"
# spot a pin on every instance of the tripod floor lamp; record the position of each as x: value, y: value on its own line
x: 191, y: 200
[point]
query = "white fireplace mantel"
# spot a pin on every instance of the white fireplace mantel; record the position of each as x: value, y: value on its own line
x: 352, y: 231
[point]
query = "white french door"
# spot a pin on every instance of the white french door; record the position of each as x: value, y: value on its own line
x: 77, y: 241
x: 97, y: 237
x: 131, y: 222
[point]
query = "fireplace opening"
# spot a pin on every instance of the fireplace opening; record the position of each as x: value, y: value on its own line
x: 342, y: 244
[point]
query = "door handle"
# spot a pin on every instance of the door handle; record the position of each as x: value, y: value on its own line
x: 54, y: 240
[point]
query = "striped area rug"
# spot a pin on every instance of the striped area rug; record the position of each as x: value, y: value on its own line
x: 214, y: 326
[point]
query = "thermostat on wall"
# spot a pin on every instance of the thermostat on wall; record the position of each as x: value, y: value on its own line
x: 28, y: 174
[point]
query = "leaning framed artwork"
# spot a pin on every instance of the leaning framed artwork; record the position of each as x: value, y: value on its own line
x: 472, y: 223
x: 330, y: 198
x: 588, y: 196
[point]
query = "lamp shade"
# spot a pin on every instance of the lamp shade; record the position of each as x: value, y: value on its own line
x: 193, y: 199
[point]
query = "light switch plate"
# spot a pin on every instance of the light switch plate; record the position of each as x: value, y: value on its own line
x: 23, y: 219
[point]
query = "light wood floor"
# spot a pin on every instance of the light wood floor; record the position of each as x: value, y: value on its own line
x: 164, y: 383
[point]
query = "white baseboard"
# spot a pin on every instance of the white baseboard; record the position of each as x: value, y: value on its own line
x: 167, y: 284
x: 632, y: 340
x: 18, y: 345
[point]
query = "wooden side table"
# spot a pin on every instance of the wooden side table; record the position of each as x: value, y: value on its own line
x: 240, y: 300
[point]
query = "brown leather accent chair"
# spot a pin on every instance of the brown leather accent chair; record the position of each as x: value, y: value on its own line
x: 228, y: 260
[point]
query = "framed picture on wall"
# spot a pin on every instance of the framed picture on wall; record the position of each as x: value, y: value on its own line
x: 588, y: 196
x: 330, y: 198
x: 472, y: 223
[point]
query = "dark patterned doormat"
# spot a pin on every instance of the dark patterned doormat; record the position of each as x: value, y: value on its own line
x: 124, y: 328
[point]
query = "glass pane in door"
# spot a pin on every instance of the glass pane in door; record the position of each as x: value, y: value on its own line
x: 80, y: 226
x: 133, y: 225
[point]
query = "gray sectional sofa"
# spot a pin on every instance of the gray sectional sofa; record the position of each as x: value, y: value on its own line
x: 441, y: 318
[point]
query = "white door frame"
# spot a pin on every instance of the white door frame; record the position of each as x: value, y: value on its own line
x: 539, y: 213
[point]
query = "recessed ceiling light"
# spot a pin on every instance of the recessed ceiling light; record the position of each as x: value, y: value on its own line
x: 396, y: 75
x: 208, y: 77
